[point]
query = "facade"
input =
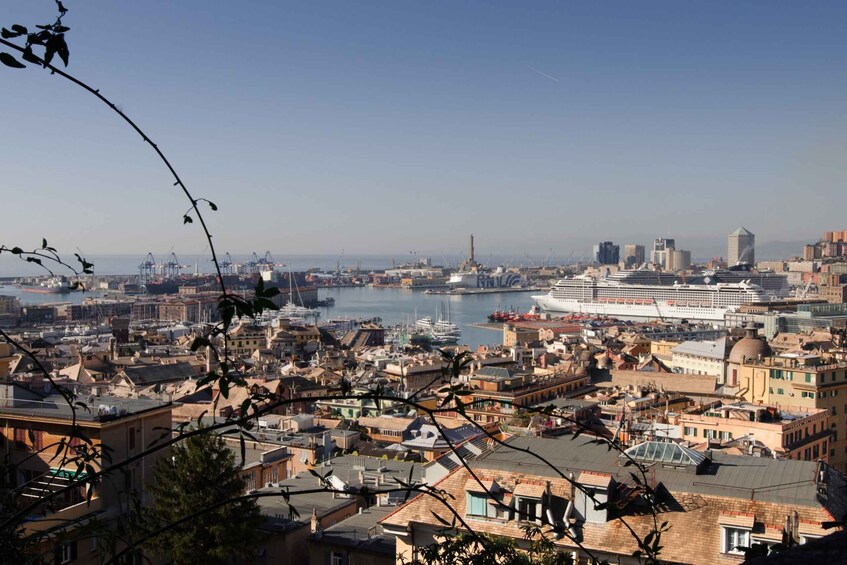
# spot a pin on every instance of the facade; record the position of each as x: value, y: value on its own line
x: 807, y: 318
x: 661, y: 249
x: 741, y: 246
x: 679, y: 260
x: 802, y: 382
x: 700, y: 358
x: 499, y: 395
x: 31, y: 424
x: 607, y: 253
x: 9, y: 305
x: 634, y: 255
x: 787, y: 434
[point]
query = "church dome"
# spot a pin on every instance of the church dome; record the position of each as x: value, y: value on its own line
x: 749, y: 347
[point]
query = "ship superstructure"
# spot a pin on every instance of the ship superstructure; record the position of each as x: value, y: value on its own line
x: 611, y: 297
x: 774, y: 284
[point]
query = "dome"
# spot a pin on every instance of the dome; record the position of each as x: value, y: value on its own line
x: 750, y: 347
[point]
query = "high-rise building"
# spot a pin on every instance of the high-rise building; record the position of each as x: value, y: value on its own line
x: 607, y: 253
x: 679, y: 260
x: 740, y: 247
x: 633, y: 255
x: 662, y: 249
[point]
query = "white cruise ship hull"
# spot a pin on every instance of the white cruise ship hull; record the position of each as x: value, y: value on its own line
x: 657, y: 309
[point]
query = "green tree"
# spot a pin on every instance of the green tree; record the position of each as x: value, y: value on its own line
x: 483, y: 549
x: 198, y: 512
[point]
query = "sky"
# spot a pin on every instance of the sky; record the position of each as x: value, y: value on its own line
x: 389, y: 127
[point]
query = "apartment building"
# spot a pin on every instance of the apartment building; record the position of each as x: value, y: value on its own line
x: 712, y: 505
x: 32, y: 427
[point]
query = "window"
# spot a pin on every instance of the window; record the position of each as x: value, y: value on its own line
x: 726, y: 435
x: 131, y: 437
x: 477, y: 504
x: 337, y: 558
x: 67, y: 552
x: 808, y: 377
x: 527, y: 509
x: 733, y: 538
x: 37, y: 440
x: 690, y: 431
x: 779, y: 391
x: 20, y: 436
x: 769, y: 543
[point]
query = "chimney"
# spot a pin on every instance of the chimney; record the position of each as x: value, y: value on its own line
x: 316, y: 523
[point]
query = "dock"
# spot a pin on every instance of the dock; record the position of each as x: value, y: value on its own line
x: 463, y: 291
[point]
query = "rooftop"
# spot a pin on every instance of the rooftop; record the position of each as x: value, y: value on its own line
x: 712, y: 349
x: 361, y: 530
x: 103, y: 408
x: 770, y: 480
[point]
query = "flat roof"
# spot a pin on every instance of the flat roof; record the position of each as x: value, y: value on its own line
x: 361, y: 530
x: 99, y: 407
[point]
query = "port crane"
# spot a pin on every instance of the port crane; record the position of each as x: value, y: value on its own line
x: 147, y: 269
x: 171, y: 268
x: 226, y: 264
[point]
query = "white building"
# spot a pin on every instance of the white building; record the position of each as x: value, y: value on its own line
x: 701, y: 358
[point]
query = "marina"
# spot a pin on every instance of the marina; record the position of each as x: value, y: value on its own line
x: 398, y: 306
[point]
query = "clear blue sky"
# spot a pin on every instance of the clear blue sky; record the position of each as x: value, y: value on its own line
x: 383, y: 127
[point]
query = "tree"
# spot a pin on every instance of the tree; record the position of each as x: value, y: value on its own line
x: 485, y: 549
x: 199, y: 513
x: 200, y: 491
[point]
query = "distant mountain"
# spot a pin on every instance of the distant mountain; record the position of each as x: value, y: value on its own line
x: 769, y: 250
x: 779, y: 249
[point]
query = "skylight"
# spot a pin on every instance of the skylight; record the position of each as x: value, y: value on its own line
x: 664, y: 452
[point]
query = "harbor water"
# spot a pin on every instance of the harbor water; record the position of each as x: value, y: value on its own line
x: 398, y: 305
x: 393, y: 305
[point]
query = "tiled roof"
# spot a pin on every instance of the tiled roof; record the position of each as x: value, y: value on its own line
x: 589, y: 479
x: 693, y: 537
x: 532, y: 490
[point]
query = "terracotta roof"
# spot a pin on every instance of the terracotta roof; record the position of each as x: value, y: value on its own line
x: 696, y: 504
x: 695, y: 513
x: 533, y: 490
x: 386, y: 423
x: 589, y: 479
x: 488, y: 485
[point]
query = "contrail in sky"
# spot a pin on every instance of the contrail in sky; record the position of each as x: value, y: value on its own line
x: 551, y: 77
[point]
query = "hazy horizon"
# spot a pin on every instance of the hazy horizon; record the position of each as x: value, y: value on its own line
x: 383, y: 128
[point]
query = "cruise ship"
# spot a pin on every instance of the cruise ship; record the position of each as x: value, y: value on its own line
x: 612, y: 297
x: 775, y: 285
